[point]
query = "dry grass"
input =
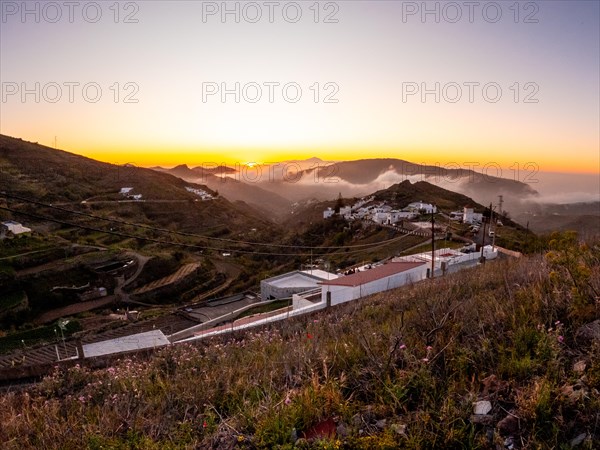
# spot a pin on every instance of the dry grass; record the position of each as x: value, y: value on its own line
x: 400, y: 369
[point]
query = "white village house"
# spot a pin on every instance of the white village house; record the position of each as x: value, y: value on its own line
x: 329, y: 212
x: 428, y: 208
x: 469, y: 216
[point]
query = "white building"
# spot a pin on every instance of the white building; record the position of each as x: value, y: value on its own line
x: 329, y: 212
x: 200, y: 193
x: 469, y: 216
x: 346, y: 211
x: 394, y: 216
x: 444, y: 258
x: 380, y: 217
x: 146, y: 340
x: 14, y: 228
x: 367, y: 282
x: 284, y: 286
x: 428, y: 208
x: 361, y: 212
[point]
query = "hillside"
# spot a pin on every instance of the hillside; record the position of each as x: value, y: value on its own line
x: 401, y: 194
x: 397, y: 196
x: 54, y: 175
x: 82, y: 219
x: 515, y: 341
x: 33, y: 171
x: 265, y: 201
x: 584, y: 218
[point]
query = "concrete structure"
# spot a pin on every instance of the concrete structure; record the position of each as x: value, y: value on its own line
x: 378, y: 279
x: 306, y: 299
x: 14, y: 228
x: 284, y: 286
x: 149, y: 339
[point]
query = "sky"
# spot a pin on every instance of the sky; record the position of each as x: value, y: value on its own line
x: 165, y: 83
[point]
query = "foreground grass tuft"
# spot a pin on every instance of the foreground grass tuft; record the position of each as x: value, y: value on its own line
x: 397, y: 370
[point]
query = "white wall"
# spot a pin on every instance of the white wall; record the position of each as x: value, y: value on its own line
x: 342, y: 294
x: 298, y: 301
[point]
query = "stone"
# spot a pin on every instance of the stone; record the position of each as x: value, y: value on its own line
x: 509, y: 443
x: 589, y: 332
x: 342, y: 429
x: 574, y: 392
x: 578, y: 440
x: 482, y: 407
x: 579, y: 367
x: 398, y: 428
x: 509, y: 425
x: 485, y: 419
x: 492, y: 386
x: 381, y: 424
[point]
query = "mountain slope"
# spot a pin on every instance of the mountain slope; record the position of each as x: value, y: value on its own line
x: 53, y: 176
x: 268, y: 202
x: 397, y: 196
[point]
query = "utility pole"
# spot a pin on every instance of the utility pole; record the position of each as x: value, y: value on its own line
x: 495, y: 229
x: 482, y: 258
x: 432, y: 243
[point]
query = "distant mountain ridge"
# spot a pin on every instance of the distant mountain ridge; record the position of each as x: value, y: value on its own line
x: 298, y: 180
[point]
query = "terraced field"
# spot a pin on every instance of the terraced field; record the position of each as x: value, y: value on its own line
x: 171, y: 279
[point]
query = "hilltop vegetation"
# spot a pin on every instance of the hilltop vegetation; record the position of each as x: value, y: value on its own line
x: 400, y: 369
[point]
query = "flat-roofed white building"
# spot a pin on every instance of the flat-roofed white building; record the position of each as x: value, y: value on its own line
x: 469, y: 216
x: 288, y: 284
x: 367, y: 282
x: 140, y: 341
x: 14, y: 228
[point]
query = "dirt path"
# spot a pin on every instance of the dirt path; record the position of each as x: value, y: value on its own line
x: 141, y: 262
x: 58, y: 264
x: 80, y: 307
x: 33, y: 252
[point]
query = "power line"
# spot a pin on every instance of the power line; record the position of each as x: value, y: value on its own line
x: 194, y: 246
x: 181, y: 233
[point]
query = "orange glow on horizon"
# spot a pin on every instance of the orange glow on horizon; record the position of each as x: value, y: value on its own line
x: 252, y: 157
